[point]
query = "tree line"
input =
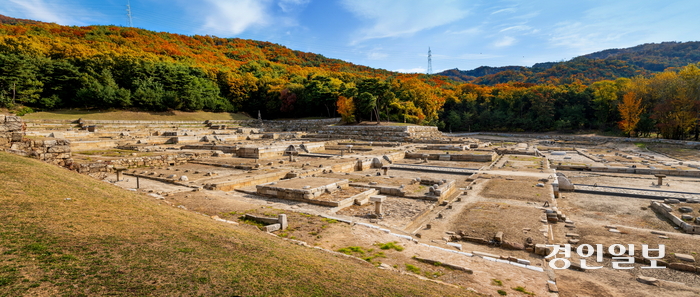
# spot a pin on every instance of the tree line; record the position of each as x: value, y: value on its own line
x: 47, y: 66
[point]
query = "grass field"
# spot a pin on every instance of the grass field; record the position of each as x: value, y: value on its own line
x: 66, y: 234
x: 134, y: 115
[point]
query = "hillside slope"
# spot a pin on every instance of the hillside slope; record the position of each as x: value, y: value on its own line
x: 107, y: 241
x: 604, y: 65
x: 49, y: 66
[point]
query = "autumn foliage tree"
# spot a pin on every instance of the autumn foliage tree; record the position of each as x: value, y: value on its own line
x: 630, y: 110
x: 346, y: 109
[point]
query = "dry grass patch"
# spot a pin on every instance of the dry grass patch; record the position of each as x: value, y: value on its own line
x: 677, y: 243
x: 485, y: 219
x: 676, y: 151
x: 516, y: 188
x: 134, y: 115
x: 108, y: 241
x: 632, y: 212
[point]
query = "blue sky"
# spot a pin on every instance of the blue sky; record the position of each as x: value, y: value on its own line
x: 396, y: 34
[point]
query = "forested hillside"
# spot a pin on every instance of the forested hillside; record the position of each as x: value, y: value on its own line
x: 48, y: 66
x: 609, y: 64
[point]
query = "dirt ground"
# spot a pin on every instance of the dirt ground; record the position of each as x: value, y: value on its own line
x: 503, y: 199
x: 516, y: 188
x: 485, y: 219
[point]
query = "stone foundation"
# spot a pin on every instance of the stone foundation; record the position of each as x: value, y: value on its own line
x: 51, y: 150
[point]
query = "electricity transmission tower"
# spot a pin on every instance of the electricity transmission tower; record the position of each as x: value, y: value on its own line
x: 430, y: 62
x: 128, y: 12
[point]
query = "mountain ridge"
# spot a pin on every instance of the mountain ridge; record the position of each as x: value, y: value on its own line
x: 612, y: 63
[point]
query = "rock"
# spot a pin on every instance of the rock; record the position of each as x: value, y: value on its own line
x: 172, y: 176
x: 385, y: 266
x: 672, y: 201
x: 614, y: 230
x: 687, y: 217
x: 540, y: 185
x: 682, y: 267
x: 184, y: 178
x: 552, y: 287
x: 573, y: 241
x: 648, y: 280
x: 576, y: 266
x: 512, y: 245
x: 572, y: 235
x: 685, y: 209
x: 685, y: 257
x: 542, y: 249
x: 498, y: 237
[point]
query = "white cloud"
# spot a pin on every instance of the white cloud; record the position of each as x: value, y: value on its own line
x: 390, y: 18
x: 510, y: 10
x: 376, y: 55
x: 40, y: 10
x: 505, y: 41
x: 516, y: 28
x: 292, y: 5
x: 468, y: 31
x: 231, y: 17
x: 412, y: 70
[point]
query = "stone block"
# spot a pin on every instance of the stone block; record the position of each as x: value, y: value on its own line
x: 542, y: 249
x: 58, y: 149
x: 273, y: 227
x: 282, y: 219
x: 685, y: 257
x: 648, y: 280
x: 377, y: 198
x: 498, y: 237
x: 15, y: 137
x: 512, y: 245
x: 682, y: 267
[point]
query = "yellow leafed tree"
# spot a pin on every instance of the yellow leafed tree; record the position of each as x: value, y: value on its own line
x: 630, y: 111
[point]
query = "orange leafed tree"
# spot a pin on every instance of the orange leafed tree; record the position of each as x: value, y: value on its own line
x: 346, y: 109
x: 630, y: 111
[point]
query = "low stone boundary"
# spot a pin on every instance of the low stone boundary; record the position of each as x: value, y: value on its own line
x: 247, y: 182
x: 689, y: 173
x: 448, y: 265
x: 273, y: 224
x: 667, y: 211
x: 428, y: 168
x: 468, y: 157
x: 635, y: 193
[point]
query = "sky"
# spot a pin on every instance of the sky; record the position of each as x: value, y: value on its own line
x: 397, y: 34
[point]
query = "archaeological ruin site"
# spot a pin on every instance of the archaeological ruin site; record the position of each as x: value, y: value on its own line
x: 474, y: 210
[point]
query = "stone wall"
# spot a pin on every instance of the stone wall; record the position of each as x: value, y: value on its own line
x: 471, y: 157
x: 280, y: 125
x: 610, y: 169
x: 666, y: 211
x: 51, y: 150
x: 379, y: 133
x: 158, y: 161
